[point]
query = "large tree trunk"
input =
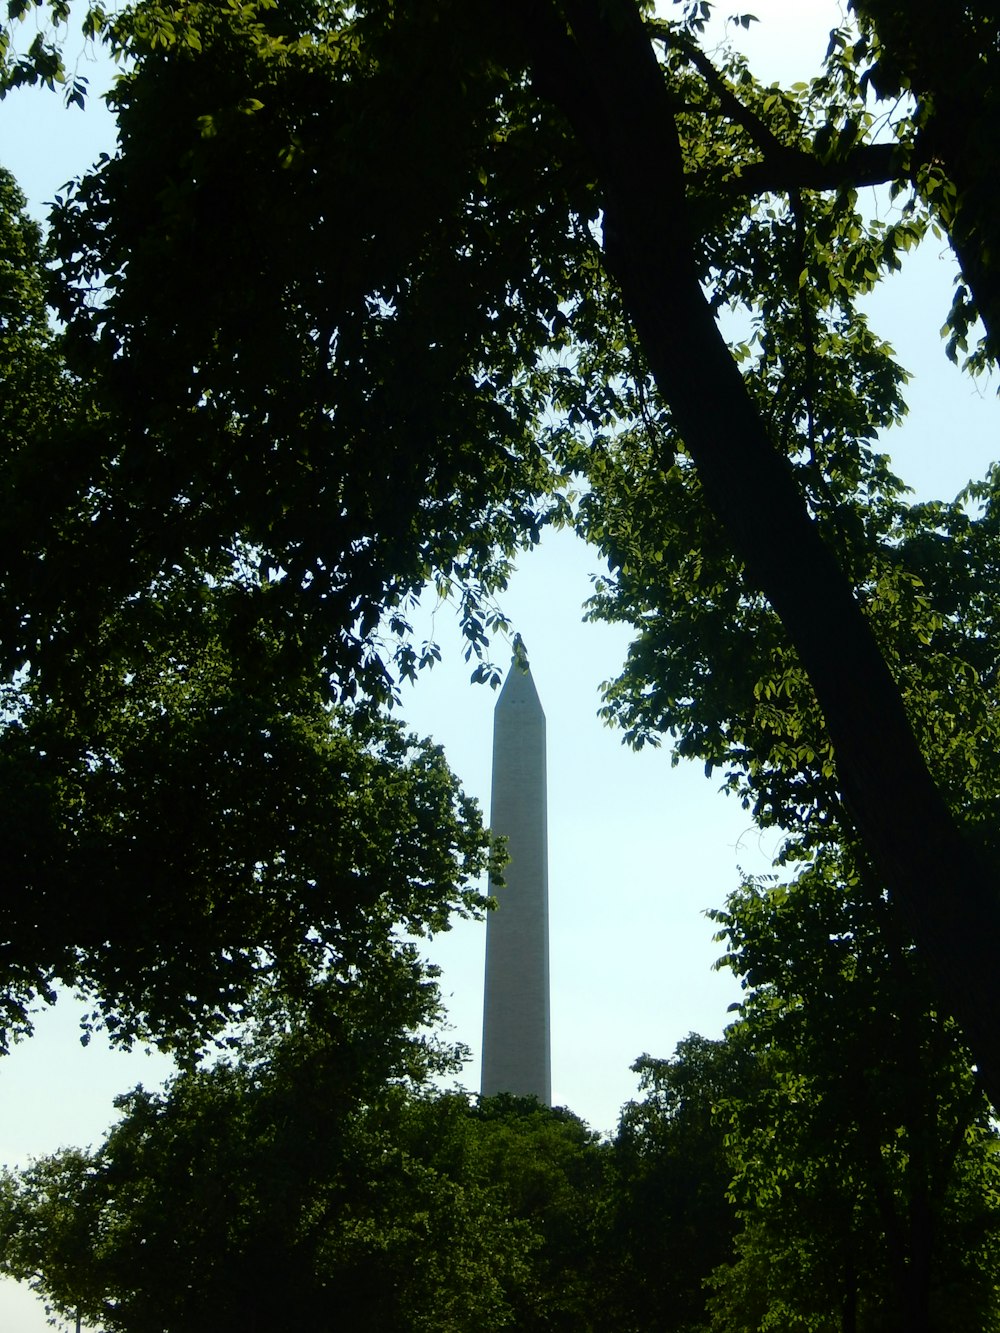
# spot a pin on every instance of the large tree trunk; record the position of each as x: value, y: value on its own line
x: 602, y: 72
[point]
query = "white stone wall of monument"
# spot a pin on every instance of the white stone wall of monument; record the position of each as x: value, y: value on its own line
x: 516, y: 1042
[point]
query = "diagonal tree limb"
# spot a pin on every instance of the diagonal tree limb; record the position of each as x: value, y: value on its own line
x: 598, y: 66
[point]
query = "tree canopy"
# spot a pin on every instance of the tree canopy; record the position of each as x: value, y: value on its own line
x: 362, y: 293
x: 183, y: 816
x: 437, y: 274
x: 316, y: 1178
x: 828, y: 1165
x: 864, y: 1158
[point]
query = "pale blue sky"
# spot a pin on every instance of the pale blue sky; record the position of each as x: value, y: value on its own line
x: 638, y: 850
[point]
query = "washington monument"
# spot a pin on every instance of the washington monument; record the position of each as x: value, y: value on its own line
x: 516, y: 1008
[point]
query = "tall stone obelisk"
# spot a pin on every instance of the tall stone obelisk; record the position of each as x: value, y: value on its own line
x: 516, y: 1008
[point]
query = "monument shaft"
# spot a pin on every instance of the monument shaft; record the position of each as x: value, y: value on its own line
x: 516, y: 1054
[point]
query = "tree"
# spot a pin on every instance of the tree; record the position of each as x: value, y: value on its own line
x: 606, y: 77
x: 951, y: 71
x: 671, y: 1222
x: 217, y: 841
x: 295, y: 1184
x: 193, y: 817
x: 830, y: 1163
x: 189, y: 811
x: 554, y: 1176
x: 37, y: 387
x: 864, y: 1163
x: 475, y: 263
x: 316, y: 1179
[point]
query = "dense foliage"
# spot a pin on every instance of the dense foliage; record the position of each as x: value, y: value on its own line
x: 865, y: 1163
x: 185, y: 813
x: 950, y: 69
x: 314, y: 1181
x: 445, y: 258
x: 830, y: 1165
x: 410, y: 329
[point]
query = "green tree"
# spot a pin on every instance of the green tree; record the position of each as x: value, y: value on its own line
x: 191, y: 817
x: 387, y: 294
x: 831, y: 1163
x: 293, y: 1186
x: 606, y: 77
x: 215, y: 842
x: 37, y: 388
x: 951, y: 70
x: 865, y: 1167
x: 671, y: 1222
x: 316, y: 1181
x: 554, y: 1176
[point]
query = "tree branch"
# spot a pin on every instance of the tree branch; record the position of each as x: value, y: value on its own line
x: 868, y: 164
x: 758, y: 131
x: 941, y: 882
x: 785, y: 168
